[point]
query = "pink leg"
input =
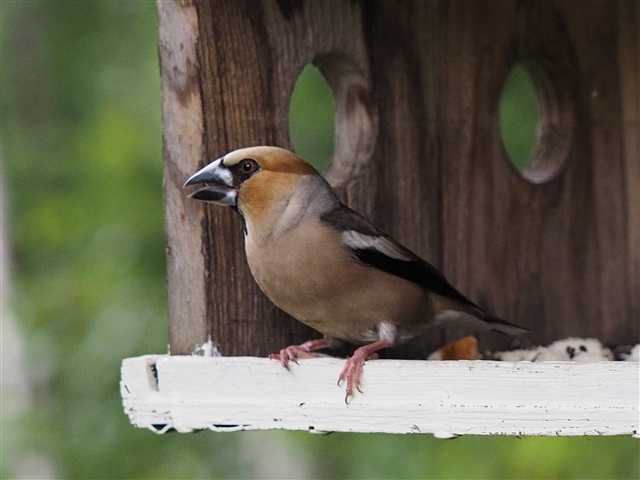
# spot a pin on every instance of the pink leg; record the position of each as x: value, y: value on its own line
x: 304, y: 350
x: 352, y: 370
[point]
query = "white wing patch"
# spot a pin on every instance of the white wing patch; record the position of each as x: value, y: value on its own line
x: 360, y: 241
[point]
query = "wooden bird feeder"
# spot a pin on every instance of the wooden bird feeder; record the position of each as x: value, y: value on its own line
x: 417, y: 84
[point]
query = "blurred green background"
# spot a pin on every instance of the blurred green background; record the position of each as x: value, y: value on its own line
x: 84, y: 272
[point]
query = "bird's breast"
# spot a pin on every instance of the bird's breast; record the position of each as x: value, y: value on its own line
x: 311, y: 275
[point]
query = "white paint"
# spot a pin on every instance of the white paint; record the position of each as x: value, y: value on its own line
x: 207, y: 349
x: 443, y: 398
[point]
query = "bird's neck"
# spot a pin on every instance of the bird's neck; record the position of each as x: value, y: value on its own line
x: 286, y: 208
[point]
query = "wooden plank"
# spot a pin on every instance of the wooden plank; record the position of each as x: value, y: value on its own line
x: 418, y: 150
x: 553, y: 256
x: 440, y: 398
x: 249, y: 56
x: 183, y: 146
x: 629, y: 61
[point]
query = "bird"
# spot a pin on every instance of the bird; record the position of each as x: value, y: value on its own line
x: 328, y: 266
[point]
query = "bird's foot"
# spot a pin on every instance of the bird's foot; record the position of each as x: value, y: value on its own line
x: 352, y: 371
x: 304, y: 350
x: 291, y: 354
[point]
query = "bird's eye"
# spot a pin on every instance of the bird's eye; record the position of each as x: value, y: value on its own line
x: 583, y: 348
x: 248, y: 166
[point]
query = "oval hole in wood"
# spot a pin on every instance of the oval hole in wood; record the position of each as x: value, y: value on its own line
x: 552, y: 137
x: 356, y: 117
x: 312, y: 118
x: 519, y: 118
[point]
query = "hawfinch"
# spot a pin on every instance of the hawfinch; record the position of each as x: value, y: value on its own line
x: 326, y: 265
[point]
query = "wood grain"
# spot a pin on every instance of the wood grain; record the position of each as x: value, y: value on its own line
x: 417, y: 85
x: 183, y: 146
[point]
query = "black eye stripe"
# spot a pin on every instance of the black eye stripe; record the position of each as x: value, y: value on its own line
x: 243, y: 169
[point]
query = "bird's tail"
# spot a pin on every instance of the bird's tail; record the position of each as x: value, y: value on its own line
x: 500, y: 325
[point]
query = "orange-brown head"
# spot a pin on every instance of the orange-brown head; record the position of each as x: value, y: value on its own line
x: 258, y: 181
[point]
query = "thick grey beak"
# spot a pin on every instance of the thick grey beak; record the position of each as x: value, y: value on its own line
x: 219, y: 187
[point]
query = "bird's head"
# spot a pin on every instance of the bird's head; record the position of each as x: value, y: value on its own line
x: 248, y: 172
x: 251, y: 179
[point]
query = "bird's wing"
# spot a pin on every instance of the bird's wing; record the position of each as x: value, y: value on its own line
x: 373, y: 247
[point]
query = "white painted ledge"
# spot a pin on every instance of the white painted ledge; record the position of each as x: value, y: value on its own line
x: 442, y: 398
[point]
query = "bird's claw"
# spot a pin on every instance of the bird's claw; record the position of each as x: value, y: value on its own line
x: 351, y: 374
x: 291, y: 354
x: 352, y: 370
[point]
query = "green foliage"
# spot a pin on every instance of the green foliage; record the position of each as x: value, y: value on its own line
x: 312, y: 118
x: 82, y: 157
x: 416, y: 456
x: 81, y: 149
x: 519, y: 117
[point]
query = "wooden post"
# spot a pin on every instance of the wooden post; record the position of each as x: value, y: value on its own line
x: 417, y: 86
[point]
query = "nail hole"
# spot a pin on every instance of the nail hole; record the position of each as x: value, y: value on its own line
x: 312, y: 118
x: 519, y: 118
